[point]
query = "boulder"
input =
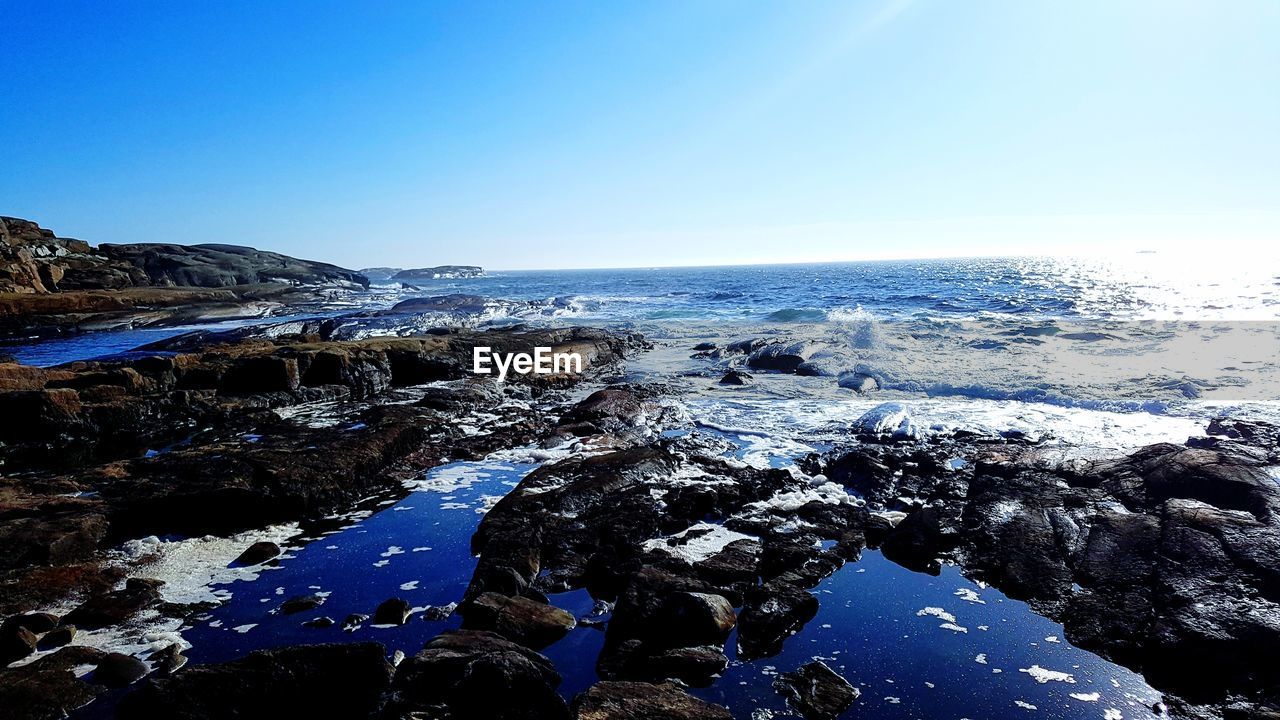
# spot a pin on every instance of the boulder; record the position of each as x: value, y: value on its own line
x: 886, y: 420
x: 737, y: 377
x: 782, y: 356
x: 857, y: 382
x: 616, y: 700
x: 16, y: 642
x: 48, y: 688
x: 480, y: 674
x: 394, y: 611
x: 57, y: 637
x: 258, y: 553
x: 519, y: 619
x: 816, y: 691
x: 117, y: 670
x: 301, y: 603
x: 696, y: 618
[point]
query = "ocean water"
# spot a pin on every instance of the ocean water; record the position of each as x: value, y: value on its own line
x: 1095, y: 357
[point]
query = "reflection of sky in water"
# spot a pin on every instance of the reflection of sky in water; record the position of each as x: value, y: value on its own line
x: 869, y: 627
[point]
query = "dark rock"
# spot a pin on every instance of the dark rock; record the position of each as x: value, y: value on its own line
x: 323, y: 621
x: 480, y: 674
x: 168, y: 659
x: 614, y: 700
x: 394, y: 611
x: 744, y: 347
x: 117, y: 606
x: 16, y: 642
x: 36, y: 622
x: 610, y: 410
x: 812, y: 369
x: 737, y: 377
x: 47, y: 688
x: 703, y: 346
x: 353, y: 621
x: 259, y: 553
x: 695, y: 618
x: 439, y: 272
x: 57, y: 637
x: 770, y: 614
x: 782, y: 356
x: 816, y: 691
x: 214, y: 265
x: 528, y: 622
x: 301, y: 603
x: 340, y: 680
x: 117, y: 670
x: 857, y: 382
x: 435, y: 613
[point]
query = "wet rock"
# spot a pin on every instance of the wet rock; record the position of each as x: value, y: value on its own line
x: 816, y: 691
x: 117, y: 606
x: 696, y: 618
x: 168, y: 659
x: 339, y: 680
x: 785, y: 357
x: 737, y: 377
x: 321, y: 622
x: 259, y: 553
x: 813, y: 369
x: 480, y: 674
x: 528, y: 622
x: 57, y: 637
x: 435, y: 613
x: 36, y: 622
x: 610, y: 410
x: 705, y: 346
x: 615, y: 700
x: 394, y: 611
x: 601, y: 612
x: 47, y: 688
x: 887, y: 420
x: 857, y: 382
x: 301, y: 603
x: 744, y: 347
x: 16, y: 642
x: 353, y: 621
x: 117, y: 670
x: 770, y: 614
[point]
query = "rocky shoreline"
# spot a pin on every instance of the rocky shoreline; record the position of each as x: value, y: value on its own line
x: 1165, y: 560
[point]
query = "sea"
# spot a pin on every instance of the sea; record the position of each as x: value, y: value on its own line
x: 1094, y: 357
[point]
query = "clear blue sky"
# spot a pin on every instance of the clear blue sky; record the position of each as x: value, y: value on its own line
x: 609, y: 134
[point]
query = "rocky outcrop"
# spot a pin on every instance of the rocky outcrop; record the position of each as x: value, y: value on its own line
x: 440, y: 272
x: 1167, y: 560
x: 50, y: 284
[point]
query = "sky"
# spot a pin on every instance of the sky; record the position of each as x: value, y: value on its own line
x: 632, y: 134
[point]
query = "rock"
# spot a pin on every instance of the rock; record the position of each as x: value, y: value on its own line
x: 480, y: 674
x: 891, y: 420
x: 610, y: 410
x: 320, y: 622
x: 435, y: 613
x: 168, y: 659
x: 737, y: 377
x: 528, y: 622
x: 813, y: 369
x: 258, y: 553
x: 816, y: 691
x: 614, y: 700
x: 353, y: 621
x: 47, y: 688
x: 117, y: 606
x: 57, y: 637
x: 16, y: 642
x: 301, y: 603
x: 117, y: 670
x: 394, y: 611
x: 695, y: 618
x: 857, y: 382
x: 744, y: 347
x: 339, y: 680
x: 215, y: 265
x: 704, y: 346
x: 440, y: 272
x: 36, y: 622
x: 785, y: 357
x: 770, y: 614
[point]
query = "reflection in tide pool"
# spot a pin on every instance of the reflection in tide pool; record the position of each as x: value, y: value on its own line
x: 915, y: 645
